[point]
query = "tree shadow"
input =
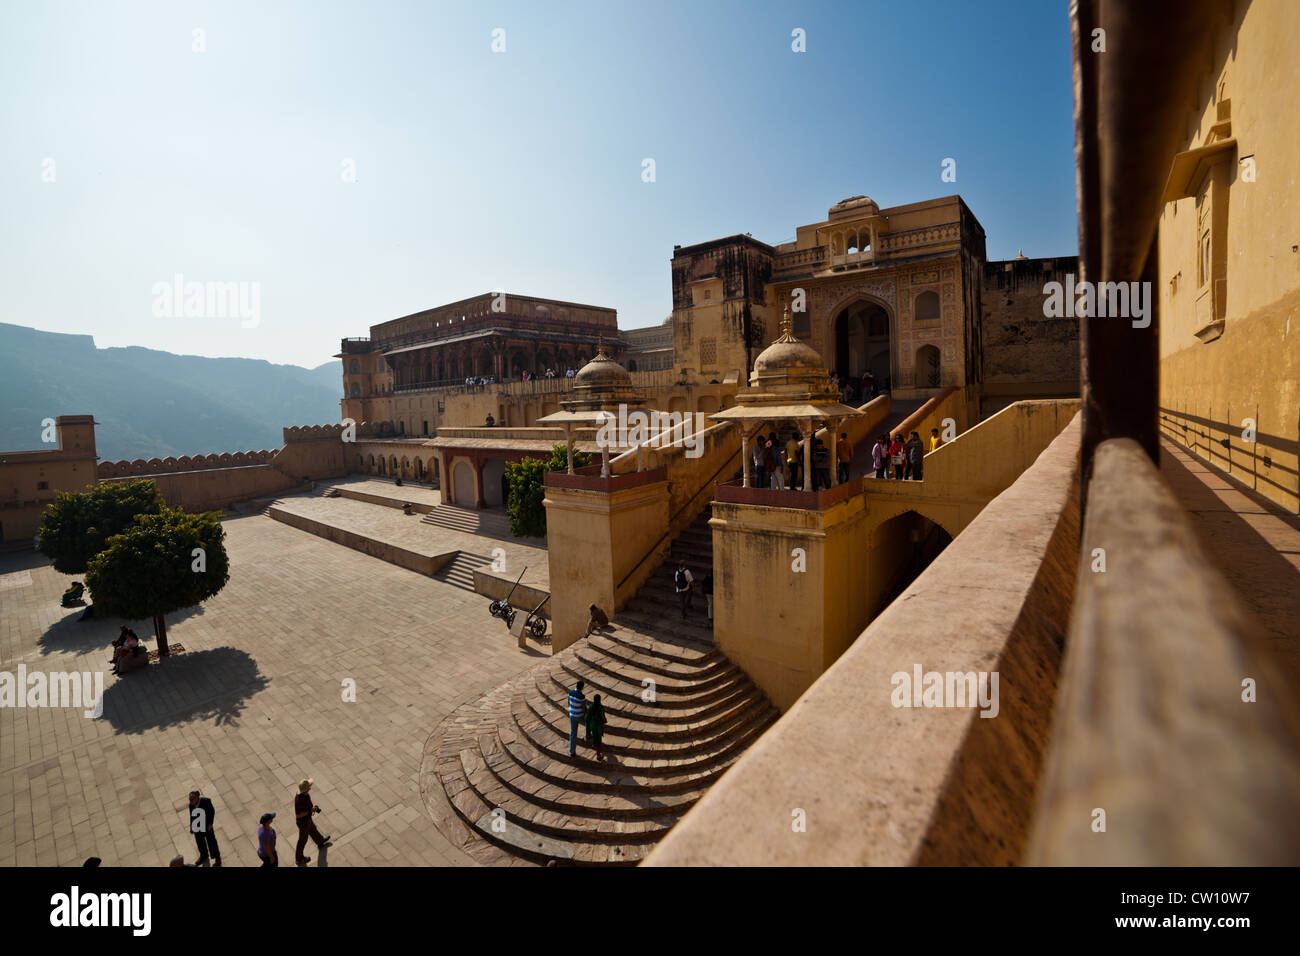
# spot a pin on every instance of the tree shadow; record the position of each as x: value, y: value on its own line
x: 23, y: 559
x: 213, y: 685
x: 71, y: 635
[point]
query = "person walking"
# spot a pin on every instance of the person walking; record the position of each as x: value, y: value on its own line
x: 266, y: 841
x: 915, y: 455
x: 843, y: 456
x: 774, y: 466
x: 896, y: 456
x: 684, y: 583
x: 792, y: 460
x: 596, y: 725
x: 303, y: 811
x: 577, y: 710
x: 880, y: 456
x: 758, y: 458
x: 201, y: 815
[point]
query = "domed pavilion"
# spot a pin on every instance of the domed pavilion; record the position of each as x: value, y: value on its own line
x: 788, y: 385
x: 599, y: 388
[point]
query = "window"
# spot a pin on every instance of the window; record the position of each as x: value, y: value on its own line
x: 708, y: 352
x: 926, y: 307
x: 356, y: 390
x: 355, y: 366
x: 42, y: 486
x: 708, y: 294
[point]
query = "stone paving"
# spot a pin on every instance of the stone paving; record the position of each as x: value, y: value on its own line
x: 253, y: 705
x: 385, y: 488
x: 1252, y: 541
x: 408, y: 531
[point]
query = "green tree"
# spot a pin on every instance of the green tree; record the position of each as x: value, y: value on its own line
x: 163, y: 563
x: 526, y: 481
x: 77, y: 526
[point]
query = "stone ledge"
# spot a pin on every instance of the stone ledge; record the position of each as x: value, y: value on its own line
x: 892, y: 786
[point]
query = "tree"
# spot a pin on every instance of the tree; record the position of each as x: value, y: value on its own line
x: 526, y: 480
x: 77, y: 526
x: 163, y: 563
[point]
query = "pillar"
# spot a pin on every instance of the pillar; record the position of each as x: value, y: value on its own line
x: 807, y: 436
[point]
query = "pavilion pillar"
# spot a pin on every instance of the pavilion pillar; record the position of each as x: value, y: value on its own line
x: 744, y: 455
x: 568, y: 445
x: 832, y: 427
x: 807, y: 457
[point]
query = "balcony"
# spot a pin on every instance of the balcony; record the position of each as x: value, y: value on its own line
x: 853, y: 260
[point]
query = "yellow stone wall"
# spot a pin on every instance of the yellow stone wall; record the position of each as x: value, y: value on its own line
x: 1210, y: 385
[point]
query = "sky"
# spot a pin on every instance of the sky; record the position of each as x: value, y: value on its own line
x: 349, y: 163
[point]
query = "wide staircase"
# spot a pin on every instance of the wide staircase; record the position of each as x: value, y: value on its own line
x: 492, y: 524
x: 680, y: 713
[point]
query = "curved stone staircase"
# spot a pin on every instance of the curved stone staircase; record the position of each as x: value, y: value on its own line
x: 497, y: 774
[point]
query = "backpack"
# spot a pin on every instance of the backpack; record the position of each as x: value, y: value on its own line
x: 681, y: 580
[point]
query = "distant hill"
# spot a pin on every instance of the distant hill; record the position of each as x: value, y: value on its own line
x: 152, y: 404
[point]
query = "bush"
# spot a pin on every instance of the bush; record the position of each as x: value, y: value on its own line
x: 526, y: 481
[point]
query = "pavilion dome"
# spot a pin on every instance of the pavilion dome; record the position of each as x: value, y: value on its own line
x: 787, y: 360
x: 602, y: 373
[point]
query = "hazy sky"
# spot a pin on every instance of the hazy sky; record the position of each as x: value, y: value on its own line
x: 128, y: 157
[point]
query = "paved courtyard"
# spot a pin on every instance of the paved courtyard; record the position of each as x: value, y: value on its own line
x: 254, y: 704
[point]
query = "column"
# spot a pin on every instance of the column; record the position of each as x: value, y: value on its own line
x: 744, y: 455
x: 831, y: 427
x: 807, y: 456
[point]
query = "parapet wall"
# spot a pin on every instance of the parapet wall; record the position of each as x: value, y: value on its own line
x: 209, y: 482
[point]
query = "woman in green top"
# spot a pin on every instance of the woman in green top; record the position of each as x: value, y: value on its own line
x: 596, y: 724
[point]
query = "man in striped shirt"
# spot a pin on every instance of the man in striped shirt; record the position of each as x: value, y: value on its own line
x: 577, y: 710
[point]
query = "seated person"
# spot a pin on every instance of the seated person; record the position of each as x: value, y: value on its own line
x: 598, y: 621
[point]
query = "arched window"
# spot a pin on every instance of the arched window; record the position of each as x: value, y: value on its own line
x: 927, y: 367
x: 355, y: 366
x: 926, y: 306
x: 356, y: 390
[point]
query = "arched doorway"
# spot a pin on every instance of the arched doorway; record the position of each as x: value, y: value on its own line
x: 901, y: 548
x: 494, y: 480
x: 928, y: 373
x: 463, y: 484
x: 862, y: 342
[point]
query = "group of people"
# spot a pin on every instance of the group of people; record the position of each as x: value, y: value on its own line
x: 684, y: 586
x: 777, y: 466
x: 481, y: 380
x: 203, y: 814
x: 128, y: 652
x: 592, y: 716
x: 905, y: 458
x: 854, y: 389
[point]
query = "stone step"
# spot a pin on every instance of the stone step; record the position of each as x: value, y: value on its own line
x: 459, y: 571
x: 646, y: 615
x: 573, y: 825
x: 634, y: 659
x: 682, y: 713
x: 625, y: 690
x: 641, y: 724
x: 632, y: 672
x: 620, y: 740
x: 677, y: 650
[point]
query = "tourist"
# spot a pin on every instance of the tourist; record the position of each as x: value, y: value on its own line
x: 303, y: 809
x: 684, y: 582
x: 843, y: 456
x: 915, y: 455
x: 596, y: 725
x: 266, y: 841
x: 896, y: 456
x: 792, y: 451
x: 935, y: 441
x: 204, y: 835
x: 758, y: 457
x: 489, y: 422
x: 869, y: 385
x: 821, y: 465
x: 776, y: 478
x: 577, y: 710
x: 597, y: 621
x: 880, y: 456
x: 706, y: 585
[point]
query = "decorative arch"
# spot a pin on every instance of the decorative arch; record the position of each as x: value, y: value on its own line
x: 929, y: 368
x: 925, y: 307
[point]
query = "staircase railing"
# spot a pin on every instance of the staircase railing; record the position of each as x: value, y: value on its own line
x: 707, y: 486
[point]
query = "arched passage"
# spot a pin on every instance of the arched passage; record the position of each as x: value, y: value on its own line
x: 928, y: 373
x: 901, y: 548
x: 494, y: 481
x: 862, y: 341
x: 463, y: 484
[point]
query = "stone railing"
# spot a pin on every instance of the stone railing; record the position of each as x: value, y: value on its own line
x: 1153, y: 722
x: 321, y: 432
x: 926, y: 785
x: 164, y: 466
